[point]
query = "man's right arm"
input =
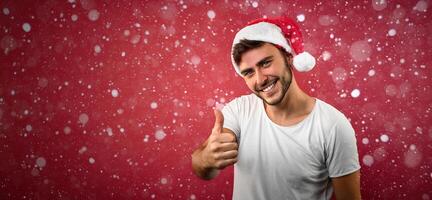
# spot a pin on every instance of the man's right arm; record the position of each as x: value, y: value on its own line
x: 199, y: 167
x: 217, y: 152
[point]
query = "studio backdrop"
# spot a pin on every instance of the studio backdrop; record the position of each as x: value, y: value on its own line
x: 108, y: 99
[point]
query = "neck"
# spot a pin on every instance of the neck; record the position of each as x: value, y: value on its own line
x: 295, y: 106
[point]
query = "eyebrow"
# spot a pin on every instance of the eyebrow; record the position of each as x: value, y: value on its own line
x: 259, y: 64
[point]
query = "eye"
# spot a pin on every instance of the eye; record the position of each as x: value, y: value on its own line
x: 267, y: 63
x: 247, y: 73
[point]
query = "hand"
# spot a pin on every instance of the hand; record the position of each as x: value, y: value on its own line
x: 222, y: 148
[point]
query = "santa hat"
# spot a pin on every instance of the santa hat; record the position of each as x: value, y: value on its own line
x: 281, y: 31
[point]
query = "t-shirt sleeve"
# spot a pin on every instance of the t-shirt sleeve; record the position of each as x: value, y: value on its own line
x: 341, y: 149
x: 231, y: 117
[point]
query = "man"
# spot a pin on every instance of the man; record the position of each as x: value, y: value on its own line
x: 284, y: 143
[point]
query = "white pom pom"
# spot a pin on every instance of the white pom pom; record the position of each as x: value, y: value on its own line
x: 304, y: 62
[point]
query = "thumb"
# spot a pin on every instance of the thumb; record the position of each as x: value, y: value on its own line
x: 219, y: 120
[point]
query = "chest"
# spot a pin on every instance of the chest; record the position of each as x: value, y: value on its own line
x: 294, y: 155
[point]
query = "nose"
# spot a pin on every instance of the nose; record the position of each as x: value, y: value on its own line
x: 261, y: 79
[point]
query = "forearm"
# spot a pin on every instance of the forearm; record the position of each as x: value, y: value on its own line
x: 199, y: 168
x: 347, y: 187
x: 217, y: 152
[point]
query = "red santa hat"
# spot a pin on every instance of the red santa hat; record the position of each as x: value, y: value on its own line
x: 281, y: 31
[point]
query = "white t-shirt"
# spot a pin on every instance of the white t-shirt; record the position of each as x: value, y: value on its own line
x: 289, y: 162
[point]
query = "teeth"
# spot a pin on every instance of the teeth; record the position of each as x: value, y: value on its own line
x: 269, y: 87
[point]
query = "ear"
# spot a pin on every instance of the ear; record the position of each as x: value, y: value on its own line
x: 289, y: 56
x: 288, y: 59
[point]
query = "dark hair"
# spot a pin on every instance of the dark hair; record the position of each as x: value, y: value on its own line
x: 246, y: 45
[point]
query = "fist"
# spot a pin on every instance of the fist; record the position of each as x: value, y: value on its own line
x: 222, y: 148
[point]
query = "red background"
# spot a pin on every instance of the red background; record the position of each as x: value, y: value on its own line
x: 66, y: 134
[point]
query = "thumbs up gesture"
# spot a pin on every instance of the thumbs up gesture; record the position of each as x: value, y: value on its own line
x: 221, y: 149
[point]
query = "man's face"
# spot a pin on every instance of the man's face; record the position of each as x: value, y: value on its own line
x: 266, y: 73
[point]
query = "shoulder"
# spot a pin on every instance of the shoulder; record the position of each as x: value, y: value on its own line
x: 243, y: 106
x: 336, y: 127
x: 244, y: 100
x: 328, y: 110
x: 330, y: 115
x: 248, y: 98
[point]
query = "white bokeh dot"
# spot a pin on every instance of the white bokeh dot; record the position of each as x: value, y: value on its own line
x: 421, y: 6
x: 83, y: 118
x: 74, y: 17
x: 384, y: 138
x: 115, y: 93
x: 355, y: 93
x: 391, y: 90
x: 29, y: 128
x: 41, y: 162
x: 419, y: 130
x: 6, y: 11
x: 365, y: 141
x: 392, y: 32
x: 339, y: 75
x: 255, y: 4
x: 368, y: 160
x: 360, y: 51
x: 93, y: 15
x: 301, y: 17
x: 211, y: 14
x: 109, y: 131
x: 153, y: 105
x: 326, y: 55
x: 97, y: 48
x: 67, y: 130
x: 379, y: 5
x: 26, y: 27
x: 42, y: 82
x: 160, y: 135
x: 196, y: 60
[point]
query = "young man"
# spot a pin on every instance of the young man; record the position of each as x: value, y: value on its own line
x: 284, y: 143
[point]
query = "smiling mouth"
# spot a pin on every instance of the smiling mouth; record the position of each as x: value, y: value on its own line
x: 269, y: 88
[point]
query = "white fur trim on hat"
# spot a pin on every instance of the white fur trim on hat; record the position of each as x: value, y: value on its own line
x: 268, y: 32
x: 262, y: 31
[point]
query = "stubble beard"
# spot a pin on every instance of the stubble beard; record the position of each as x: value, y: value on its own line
x: 285, y: 82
